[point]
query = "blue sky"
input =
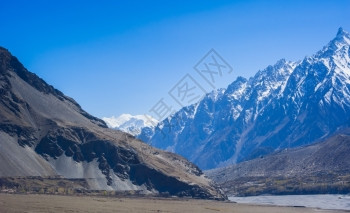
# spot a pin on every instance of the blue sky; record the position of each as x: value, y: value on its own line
x: 118, y: 57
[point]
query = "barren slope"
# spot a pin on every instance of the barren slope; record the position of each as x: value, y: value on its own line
x: 43, y: 132
x: 319, y: 168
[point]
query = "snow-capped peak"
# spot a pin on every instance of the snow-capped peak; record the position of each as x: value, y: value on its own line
x: 131, y: 124
x: 343, y: 34
x: 338, y: 44
x: 342, y: 38
x: 216, y: 94
x: 284, y: 105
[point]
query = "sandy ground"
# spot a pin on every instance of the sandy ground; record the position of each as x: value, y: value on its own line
x: 56, y: 203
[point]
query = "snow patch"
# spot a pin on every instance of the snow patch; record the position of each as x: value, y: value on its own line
x: 131, y: 124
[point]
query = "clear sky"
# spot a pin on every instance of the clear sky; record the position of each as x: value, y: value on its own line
x: 118, y: 57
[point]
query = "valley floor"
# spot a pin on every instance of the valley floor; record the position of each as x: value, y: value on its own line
x: 325, y: 201
x: 58, y: 203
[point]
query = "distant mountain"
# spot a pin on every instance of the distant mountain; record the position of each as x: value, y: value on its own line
x: 286, y: 105
x: 319, y: 168
x: 45, y: 133
x: 131, y: 124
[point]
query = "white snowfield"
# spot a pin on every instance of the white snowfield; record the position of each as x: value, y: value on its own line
x: 339, y: 202
x: 131, y: 124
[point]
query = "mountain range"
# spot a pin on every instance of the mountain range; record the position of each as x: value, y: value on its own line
x: 286, y: 105
x: 45, y: 133
x: 131, y: 124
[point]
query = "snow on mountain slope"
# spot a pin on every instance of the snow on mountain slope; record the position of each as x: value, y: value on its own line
x: 131, y: 124
x: 285, y: 105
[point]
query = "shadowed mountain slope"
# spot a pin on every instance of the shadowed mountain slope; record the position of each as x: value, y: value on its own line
x: 319, y: 168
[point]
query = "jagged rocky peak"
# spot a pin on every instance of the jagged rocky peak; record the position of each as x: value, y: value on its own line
x: 236, y: 85
x: 342, y: 35
x: 339, y: 44
x: 274, y: 73
x: 287, y: 104
x: 342, y: 38
x: 216, y: 94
